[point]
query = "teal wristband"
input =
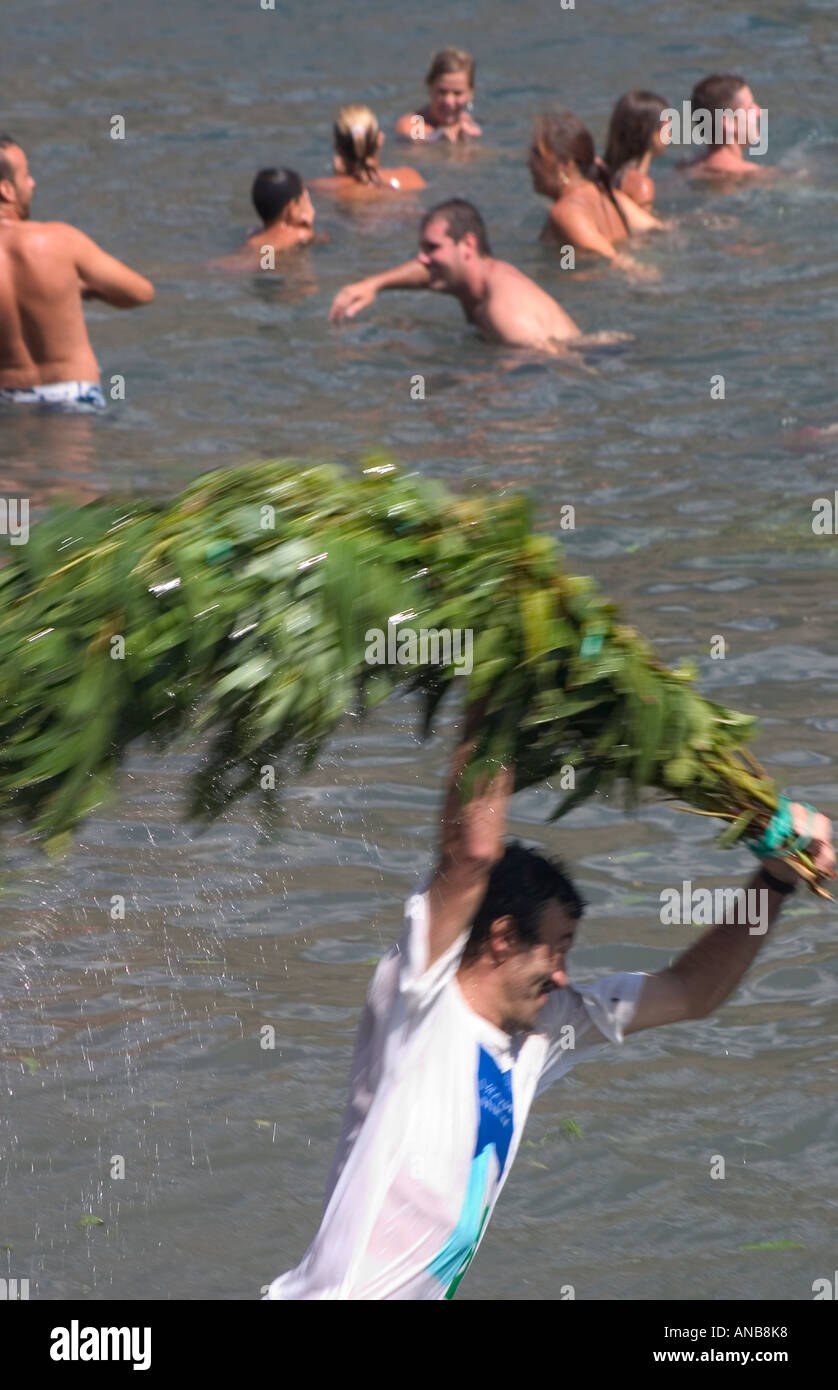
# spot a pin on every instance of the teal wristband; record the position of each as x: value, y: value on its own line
x: 779, y: 833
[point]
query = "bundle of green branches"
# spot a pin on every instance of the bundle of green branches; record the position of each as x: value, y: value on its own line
x: 244, y: 608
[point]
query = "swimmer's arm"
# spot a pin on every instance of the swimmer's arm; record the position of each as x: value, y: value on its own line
x: 574, y: 226
x: 104, y: 276
x: 414, y: 127
x: 637, y: 219
x: 468, y: 125
x: 412, y: 275
x: 471, y: 842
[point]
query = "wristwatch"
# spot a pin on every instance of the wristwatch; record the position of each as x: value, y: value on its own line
x: 777, y: 885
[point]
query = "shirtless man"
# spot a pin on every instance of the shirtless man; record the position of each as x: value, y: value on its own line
x: 45, y: 270
x: 736, y: 119
x: 504, y: 305
x: 282, y: 201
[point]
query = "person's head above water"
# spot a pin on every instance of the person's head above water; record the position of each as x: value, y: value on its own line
x: 358, y: 141
x: 728, y: 94
x: 16, y: 183
x: 279, y: 195
x: 521, y: 934
x: 452, y: 237
x: 560, y: 142
x: 636, y: 129
x: 562, y: 150
x: 450, y: 84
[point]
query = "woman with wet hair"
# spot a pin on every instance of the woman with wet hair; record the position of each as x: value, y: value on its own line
x: 587, y: 214
x: 358, y: 141
x: 447, y: 113
x: 636, y: 136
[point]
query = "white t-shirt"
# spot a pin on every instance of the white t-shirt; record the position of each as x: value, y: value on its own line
x: 438, y: 1102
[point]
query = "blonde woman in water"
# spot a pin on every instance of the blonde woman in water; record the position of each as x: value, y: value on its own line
x: 358, y: 142
x: 447, y: 113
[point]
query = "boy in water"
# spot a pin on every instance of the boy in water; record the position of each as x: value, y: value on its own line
x: 282, y: 201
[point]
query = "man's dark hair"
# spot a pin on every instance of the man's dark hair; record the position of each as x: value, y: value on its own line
x: 6, y: 170
x: 520, y: 885
x: 461, y: 217
x: 273, y: 190
x: 717, y: 92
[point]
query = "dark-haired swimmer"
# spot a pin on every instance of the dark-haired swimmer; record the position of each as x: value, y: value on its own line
x: 454, y: 257
x: 724, y: 111
x: 358, y: 142
x: 638, y: 132
x: 588, y: 214
x: 447, y: 114
x: 282, y: 201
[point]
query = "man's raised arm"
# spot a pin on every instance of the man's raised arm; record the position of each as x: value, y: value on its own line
x: 471, y: 842
x: 708, y: 971
x: 411, y: 275
x: 104, y: 277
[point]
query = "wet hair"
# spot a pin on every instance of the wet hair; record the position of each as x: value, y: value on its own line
x: 273, y: 190
x: 450, y: 60
x: 520, y: 885
x: 634, y: 121
x: 461, y: 217
x: 717, y: 92
x: 356, y: 141
x: 563, y: 137
x: 6, y: 170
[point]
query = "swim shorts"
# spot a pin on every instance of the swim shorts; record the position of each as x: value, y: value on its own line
x: 87, y: 394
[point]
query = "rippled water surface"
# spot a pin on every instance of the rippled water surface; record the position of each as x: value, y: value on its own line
x: 142, y: 1037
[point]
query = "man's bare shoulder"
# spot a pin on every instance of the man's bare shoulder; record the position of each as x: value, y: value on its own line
x: 56, y: 237
x: 504, y: 277
x: 47, y: 239
x: 509, y: 286
x: 53, y: 229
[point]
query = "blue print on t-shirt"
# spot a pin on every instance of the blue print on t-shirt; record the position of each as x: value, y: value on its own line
x: 494, y: 1134
x: 494, y: 1090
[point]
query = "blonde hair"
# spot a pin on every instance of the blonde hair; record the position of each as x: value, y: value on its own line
x: 450, y: 60
x: 356, y: 133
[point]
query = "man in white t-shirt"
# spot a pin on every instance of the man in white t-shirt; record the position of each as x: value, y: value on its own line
x: 469, y: 1018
